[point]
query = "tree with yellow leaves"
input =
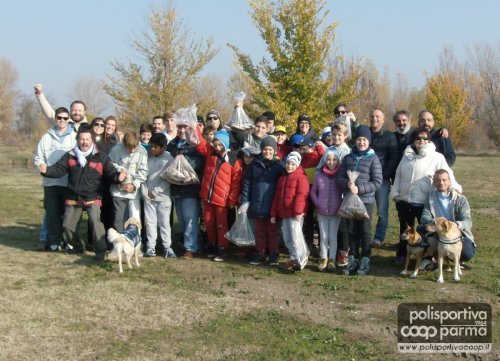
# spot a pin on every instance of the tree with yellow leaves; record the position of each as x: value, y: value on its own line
x: 300, y: 76
x: 173, y: 61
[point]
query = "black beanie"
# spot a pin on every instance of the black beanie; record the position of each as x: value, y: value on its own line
x: 364, y: 131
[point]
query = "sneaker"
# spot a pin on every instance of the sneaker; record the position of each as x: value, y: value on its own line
x: 273, y: 259
x: 258, y: 259
x: 55, y: 248
x: 352, y: 266
x: 376, y: 243
x: 331, y: 265
x: 187, y: 255
x: 288, y: 266
x: 150, y: 253
x: 221, y: 255
x: 399, y: 259
x: 322, y: 265
x: 170, y: 253
x: 342, y: 259
x: 364, y: 267
x: 69, y: 248
x: 211, y: 251
x: 426, y: 264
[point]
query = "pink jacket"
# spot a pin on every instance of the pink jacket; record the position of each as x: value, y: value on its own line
x: 325, y: 194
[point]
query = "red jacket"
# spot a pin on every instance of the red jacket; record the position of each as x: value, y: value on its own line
x: 236, y: 180
x: 291, y: 195
x: 311, y: 160
x: 216, y: 184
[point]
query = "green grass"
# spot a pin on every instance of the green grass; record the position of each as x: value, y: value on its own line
x: 201, y: 310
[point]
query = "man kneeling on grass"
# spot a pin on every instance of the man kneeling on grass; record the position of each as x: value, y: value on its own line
x: 86, y: 167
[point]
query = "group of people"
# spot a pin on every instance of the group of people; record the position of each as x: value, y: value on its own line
x: 283, y: 183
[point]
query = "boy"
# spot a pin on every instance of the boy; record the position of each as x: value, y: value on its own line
x: 283, y: 146
x: 145, y: 132
x: 156, y: 194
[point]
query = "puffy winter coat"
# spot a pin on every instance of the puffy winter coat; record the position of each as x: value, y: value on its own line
x: 195, y: 160
x: 84, y: 184
x: 415, y: 174
x: 239, y: 168
x: 370, y: 174
x: 291, y: 195
x: 216, y: 183
x: 326, y: 194
x: 259, y: 186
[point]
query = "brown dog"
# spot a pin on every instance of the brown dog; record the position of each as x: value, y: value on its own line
x: 413, y: 248
x: 449, y: 245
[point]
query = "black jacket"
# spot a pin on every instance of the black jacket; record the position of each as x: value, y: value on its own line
x: 84, y: 184
x: 444, y: 146
x: 385, y: 146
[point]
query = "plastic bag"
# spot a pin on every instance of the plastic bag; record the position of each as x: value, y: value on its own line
x: 300, y: 244
x: 352, y: 206
x: 239, y: 120
x: 179, y: 171
x: 241, y: 233
x: 187, y: 117
x: 344, y: 119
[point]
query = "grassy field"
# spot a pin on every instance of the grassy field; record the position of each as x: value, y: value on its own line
x: 66, y: 307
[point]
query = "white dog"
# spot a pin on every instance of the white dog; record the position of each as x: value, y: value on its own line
x: 128, y: 242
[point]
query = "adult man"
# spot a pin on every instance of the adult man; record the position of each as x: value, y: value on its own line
x: 85, y: 167
x: 77, y: 108
x: 158, y: 124
x: 385, y: 146
x: 438, y: 136
x: 402, y: 122
x: 446, y: 202
x: 52, y: 146
x: 271, y: 117
x: 170, y: 125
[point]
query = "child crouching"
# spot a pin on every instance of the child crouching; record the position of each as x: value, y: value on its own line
x: 290, y: 204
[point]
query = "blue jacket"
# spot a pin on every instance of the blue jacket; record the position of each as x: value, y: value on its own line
x: 259, y: 186
x: 370, y: 174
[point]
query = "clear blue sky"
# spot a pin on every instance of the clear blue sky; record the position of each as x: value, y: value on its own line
x: 55, y: 42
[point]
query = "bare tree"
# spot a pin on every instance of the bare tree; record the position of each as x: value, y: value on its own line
x: 8, y: 92
x: 91, y: 90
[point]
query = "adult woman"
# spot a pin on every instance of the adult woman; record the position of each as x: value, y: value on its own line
x: 304, y: 128
x: 185, y: 197
x: 413, y: 181
x: 111, y: 134
x: 97, y: 125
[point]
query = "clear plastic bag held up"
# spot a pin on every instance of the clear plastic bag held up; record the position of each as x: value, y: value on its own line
x: 179, y: 171
x: 187, y: 117
x: 239, y: 120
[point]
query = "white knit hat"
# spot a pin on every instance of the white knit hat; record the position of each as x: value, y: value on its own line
x: 294, y: 157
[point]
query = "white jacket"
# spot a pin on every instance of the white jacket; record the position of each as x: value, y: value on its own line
x: 51, y: 148
x: 158, y: 186
x: 136, y: 164
x: 415, y: 173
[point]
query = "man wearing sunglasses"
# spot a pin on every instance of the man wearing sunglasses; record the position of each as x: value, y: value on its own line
x: 343, y: 109
x: 52, y: 146
x: 77, y: 109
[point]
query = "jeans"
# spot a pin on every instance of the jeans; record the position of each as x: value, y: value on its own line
x: 382, y: 200
x: 188, y: 214
x: 43, y: 231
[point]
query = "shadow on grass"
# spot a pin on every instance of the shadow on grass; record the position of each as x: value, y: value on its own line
x: 24, y: 237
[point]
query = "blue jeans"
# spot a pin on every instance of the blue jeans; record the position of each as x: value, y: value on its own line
x: 188, y: 214
x: 382, y: 200
x: 44, y: 231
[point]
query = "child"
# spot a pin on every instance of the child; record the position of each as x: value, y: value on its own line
x: 364, y: 160
x: 216, y: 191
x: 290, y: 205
x: 259, y: 186
x: 245, y: 157
x: 327, y: 198
x: 283, y: 146
x: 326, y: 137
x: 339, y: 137
x: 208, y: 133
x: 156, y: 194
x: 145, y: 132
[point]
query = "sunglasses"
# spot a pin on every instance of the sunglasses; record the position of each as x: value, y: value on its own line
x: 341, y: 112
x: 212, y: 118
x: 99, y: 125
x: 62, y: 118
x: 422, y: 137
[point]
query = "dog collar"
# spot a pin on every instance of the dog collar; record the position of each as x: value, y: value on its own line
x: 452, y: 241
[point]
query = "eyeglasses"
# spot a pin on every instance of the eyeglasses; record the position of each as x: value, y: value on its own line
x: 99, y: 125
x: 62, y: 118
x: 212, y: 118
x: 422, y: 137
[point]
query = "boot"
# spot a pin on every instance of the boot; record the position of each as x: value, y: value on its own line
x: 352, y: 266
x: 342, y: 259
x: 364, y: 268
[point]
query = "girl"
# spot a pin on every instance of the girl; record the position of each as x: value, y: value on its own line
x: 290, y: 204
x: 327, y: 198
x: 364, y: 160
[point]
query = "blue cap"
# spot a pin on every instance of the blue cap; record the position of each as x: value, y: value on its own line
x: 296, y: 139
